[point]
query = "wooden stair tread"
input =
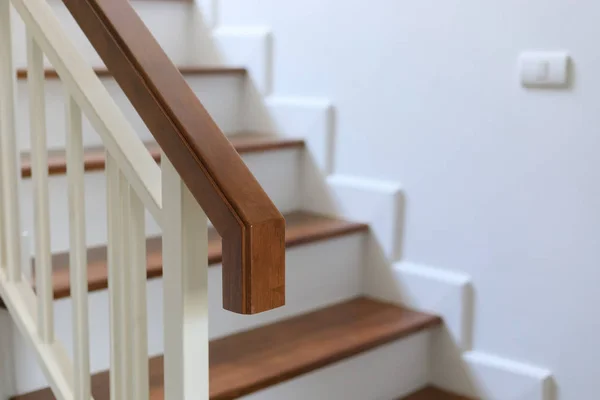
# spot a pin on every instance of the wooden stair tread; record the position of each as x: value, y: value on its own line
x: 433, y: 393
x: 250, y: 361
x: 246, y: 362
x: 50, y: 73
x: 94, y: 157
x: 302, y: 228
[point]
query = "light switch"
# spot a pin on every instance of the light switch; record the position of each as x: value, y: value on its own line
x: 544, y: 68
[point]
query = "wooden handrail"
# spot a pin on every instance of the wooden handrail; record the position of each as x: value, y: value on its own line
x: 252, y: 228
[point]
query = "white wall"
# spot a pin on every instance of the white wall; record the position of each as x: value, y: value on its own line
x: 501, y: 183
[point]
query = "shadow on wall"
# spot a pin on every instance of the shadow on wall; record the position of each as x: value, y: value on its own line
x: 201, y: 40
x: 382, y: 280
x: 310, y: 120
x: 454, y: 365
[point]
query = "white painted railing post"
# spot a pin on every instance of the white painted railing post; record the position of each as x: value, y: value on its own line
x: 26, y: 257
x: 78, y: 251
x: 116, y: 281
x: 137, y: 290
x: 5, y: 77
x: 2, y: 225
x: 185, y: 276
x: 125, y: 314
x: 133, y: 185
x: 39, y: 175
x: 11, y: 229
x: 127, y: 288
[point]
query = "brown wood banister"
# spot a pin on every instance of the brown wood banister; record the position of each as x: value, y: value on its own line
x: 252, y: 228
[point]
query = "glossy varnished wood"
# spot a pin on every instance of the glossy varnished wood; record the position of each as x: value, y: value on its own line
x: 94, y: 157
x: 250, y: 361
x: 433, y: 393
x: 302, y: 228
x: 252, y: 228
x: 184, y: 70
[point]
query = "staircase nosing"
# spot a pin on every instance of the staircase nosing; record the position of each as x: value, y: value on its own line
x: 103, y: 72
x: 433, y: 393
x: 327, y: 360
x: 349, y: 229
x: 95, y: 160
x: 98, y: 280
x: 361, y: 324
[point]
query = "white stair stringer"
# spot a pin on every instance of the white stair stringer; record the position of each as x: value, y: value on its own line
x: 378, y: 203
x: 453, y: 364
x: 312, y: 119
x: 250, y: 47
x: 318, y: 275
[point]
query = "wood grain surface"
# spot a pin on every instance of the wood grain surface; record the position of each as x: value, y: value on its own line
x: 302, y: 228
x: 246, y: 362
x: 252, y: 228
x: 94, y: 157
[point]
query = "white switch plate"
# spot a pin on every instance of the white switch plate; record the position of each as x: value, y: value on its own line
x: 544, y: 68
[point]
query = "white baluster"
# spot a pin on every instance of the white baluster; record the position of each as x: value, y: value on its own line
x: 78, y: 252
x: 6, y: 72
x: 39, y: 175
x: 185, y: 275
x: 27, y: 258
x: 116, y: 278
x: 11, y: 229
x: 125, y: 314
x: 139, y: 328
x: 2, y: 226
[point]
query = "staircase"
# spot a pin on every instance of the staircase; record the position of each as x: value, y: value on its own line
x: 329, y: 341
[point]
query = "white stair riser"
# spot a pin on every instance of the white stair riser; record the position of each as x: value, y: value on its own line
x: 220, y: 95
x: 282, y: 184
x: 318, y: 275
x: 384, y: 373
x: 170, y: 23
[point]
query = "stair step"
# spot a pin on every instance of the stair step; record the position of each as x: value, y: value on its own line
x: 184, y: 70
x: 94, y: 158
x: 301, y: 228
x: 433, y: 393
x: 219, y: 89
x: 247, y: 362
